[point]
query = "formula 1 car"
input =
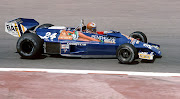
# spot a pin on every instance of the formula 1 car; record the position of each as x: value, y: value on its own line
x: 37, y: 39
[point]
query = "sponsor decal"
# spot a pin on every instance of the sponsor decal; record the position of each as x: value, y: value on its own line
x: 69, y: 35
x: 19, y: 20
x: 13, y: 29
x: 105, y: 39
x: 75, y: 36
x: 77, y: 44
x: 145, y: 55
x: 148, y: 46
x: 155, y: 47
x: 64, y: 47
x: 48, y: 36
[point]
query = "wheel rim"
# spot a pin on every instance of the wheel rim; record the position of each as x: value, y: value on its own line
x: 124, y: 54
x: 27, y: 46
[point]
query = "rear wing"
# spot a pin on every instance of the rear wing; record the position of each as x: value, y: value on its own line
x: 19, y: 26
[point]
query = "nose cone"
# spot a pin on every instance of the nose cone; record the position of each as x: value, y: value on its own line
x: 151, y: 47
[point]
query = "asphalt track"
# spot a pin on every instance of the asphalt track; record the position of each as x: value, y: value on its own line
x: 158, y: 19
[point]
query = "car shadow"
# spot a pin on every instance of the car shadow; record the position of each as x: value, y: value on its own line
x: 36, y: 58
x: 147, y: 61
x: 66, y: 57
x: 133, y: 63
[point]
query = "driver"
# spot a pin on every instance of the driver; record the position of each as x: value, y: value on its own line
x: 91, y: 27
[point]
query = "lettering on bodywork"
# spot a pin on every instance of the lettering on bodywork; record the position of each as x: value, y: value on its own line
x: 11, y: 27
x: 148, y: 46
x: 105, y: 39
x: 77, y: 44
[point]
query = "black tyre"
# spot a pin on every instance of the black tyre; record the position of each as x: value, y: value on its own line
x: 126, y: 53
x: 47, y: 25
x: 29, y: 46
x: 139, y: 36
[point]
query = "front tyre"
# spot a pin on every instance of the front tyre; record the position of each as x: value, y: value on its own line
x: 139, y: 36
x: 126, y: 53
x: 29, y: 46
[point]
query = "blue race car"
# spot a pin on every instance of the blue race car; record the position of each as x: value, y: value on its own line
x: 36, y: 40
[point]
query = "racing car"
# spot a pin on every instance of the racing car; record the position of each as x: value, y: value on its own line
x: 35, y: 40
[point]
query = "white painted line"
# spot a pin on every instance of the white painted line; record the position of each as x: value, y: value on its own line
x: 91, y: 72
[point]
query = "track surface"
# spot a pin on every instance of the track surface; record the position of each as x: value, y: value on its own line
x: 158, y: 19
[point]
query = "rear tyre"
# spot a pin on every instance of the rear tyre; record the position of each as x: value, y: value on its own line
x: 29, y: 46
x: 139, y: 36
x: 126, y: 53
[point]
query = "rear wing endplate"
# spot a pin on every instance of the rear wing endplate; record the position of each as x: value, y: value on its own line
x: 19, y: 26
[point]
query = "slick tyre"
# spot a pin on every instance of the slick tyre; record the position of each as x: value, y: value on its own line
x: 29, y: 46
x: 126, y: 53
x: 139, y: 36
